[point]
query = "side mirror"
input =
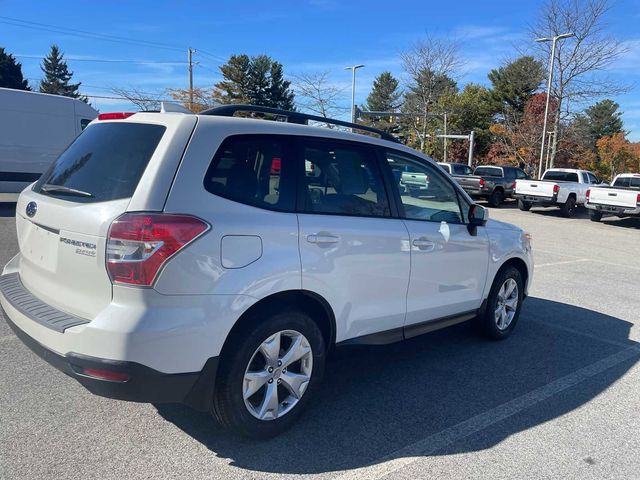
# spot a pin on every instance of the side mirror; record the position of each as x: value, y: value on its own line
x: 478, y: 216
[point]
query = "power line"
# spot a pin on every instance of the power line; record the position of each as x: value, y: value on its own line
x: 207, y: 54
x: 141, y: 62
x: 16, y: 22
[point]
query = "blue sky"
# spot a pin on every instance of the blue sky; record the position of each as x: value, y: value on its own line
x: 304, y: 35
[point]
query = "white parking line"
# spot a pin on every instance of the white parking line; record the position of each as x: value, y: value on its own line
x: 564, y: 262
x: 585, y: 334
x: 431, y: 444
x: 596, y: 260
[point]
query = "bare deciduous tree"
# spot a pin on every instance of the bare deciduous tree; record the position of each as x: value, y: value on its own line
x: 432, y: 66
x: 145, y: 101
x: 580, y: 61
x: 314, y: 92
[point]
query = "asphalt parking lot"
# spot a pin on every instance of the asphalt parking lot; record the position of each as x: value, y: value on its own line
x: 559, y: 399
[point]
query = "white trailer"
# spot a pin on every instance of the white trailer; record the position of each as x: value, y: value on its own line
x: 34, y: 129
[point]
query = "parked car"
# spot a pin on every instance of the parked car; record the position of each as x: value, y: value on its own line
x: 562, y: 187
x: 164, y: 259
x: 621, y: 200
x: 491, y: 183
x: 34, y: 129
x: 456, y: 168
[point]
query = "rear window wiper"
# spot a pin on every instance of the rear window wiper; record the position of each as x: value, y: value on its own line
x: 50, y: 188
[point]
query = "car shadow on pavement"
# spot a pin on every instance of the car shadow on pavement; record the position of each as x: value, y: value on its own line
x: 630, y: 222
x: 377, y: 400
x: 580, y: 213
x: 7, y: 209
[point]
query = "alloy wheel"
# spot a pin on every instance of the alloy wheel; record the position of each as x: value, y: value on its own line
x: 277, y: 375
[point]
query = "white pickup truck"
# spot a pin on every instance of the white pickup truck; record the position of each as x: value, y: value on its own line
x: 562, y: 187
x: 622, y: 199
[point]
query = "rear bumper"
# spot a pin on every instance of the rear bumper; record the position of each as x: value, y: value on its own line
x: 143, y: 384
x: 548, y: 201
x: 613, y: 210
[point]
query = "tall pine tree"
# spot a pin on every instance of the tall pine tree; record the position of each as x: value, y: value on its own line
x: 385, y: 95
x: 255, y: 80
x: 11, y: 72
x: 57, y: 76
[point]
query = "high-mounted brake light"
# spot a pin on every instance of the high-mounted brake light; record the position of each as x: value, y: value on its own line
x: 481, y: 182
x: 115, y: 115
x: 139, y: 244
x: 556, y: 189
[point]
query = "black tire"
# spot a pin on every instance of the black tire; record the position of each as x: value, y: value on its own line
x: 568, y: 209
x: 228, y: 402
x: 524, y: 206
x: 496, y: 198
x: 595, y: 216
x: 486, y: 323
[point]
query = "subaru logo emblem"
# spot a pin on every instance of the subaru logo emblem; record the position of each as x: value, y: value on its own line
x: 32, y: 208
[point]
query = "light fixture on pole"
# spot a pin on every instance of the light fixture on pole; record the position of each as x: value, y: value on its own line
x: 553, y: 41
x: 353, y: 90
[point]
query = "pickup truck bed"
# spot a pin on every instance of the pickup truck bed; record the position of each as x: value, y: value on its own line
x: 621, y: 200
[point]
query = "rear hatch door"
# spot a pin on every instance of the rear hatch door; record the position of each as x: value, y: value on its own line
x: 63, y: 221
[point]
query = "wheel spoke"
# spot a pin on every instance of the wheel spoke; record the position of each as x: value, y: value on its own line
x: 512, y: 303
x: 504, y: 318
x: 296, y: 383
x: 253, y: 381
x: 270, y: 348
x: 268, y: 409
x: 510, y: 285
x: 296, y: 351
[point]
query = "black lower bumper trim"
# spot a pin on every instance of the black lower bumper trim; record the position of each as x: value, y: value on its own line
x: 144, y: 385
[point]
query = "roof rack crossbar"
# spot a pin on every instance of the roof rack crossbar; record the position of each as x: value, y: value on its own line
x: 294, y: 117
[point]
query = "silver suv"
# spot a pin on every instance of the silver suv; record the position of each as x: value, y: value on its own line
x: 215, y: 261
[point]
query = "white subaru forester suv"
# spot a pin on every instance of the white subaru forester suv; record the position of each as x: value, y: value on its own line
x: 215, y: 260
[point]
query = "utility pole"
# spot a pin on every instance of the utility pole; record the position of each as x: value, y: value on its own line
x: 445, y: 137
x: 353, y: 91
x: 190, y: 52
x: 552, y: 61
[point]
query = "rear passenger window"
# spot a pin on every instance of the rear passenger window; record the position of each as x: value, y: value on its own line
x: 342, y: 179
x: 255, y: 170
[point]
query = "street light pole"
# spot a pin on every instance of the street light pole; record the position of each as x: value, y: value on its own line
x: 353, y: 91
x: 445, y: 137
x: 553, y: 41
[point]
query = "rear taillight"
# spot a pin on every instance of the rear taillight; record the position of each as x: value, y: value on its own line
x: 481, y: 182
x: 139, y: 244
x: 556, y: 189
x: 588, y: 194
x: 115, y: 115
x: 638, y: 199
x: 513, y: 185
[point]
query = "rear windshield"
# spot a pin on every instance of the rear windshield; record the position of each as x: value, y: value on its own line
x: 561, y: 176
x: 488, y: 172
x: 104, y: 163
x: 628, y: 182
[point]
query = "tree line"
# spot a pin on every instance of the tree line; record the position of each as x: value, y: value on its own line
x: 56, y: 78
x: 506, y: 114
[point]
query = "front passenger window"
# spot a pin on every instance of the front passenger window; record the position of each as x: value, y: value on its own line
x: 425, y: 192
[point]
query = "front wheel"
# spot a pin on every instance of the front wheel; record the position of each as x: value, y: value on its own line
x: 503, y: 305
x: 524, y: 206
x: 595, y: 216
x: 568, y: 209
x: 269, y: 374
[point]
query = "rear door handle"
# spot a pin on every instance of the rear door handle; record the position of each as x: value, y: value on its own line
x: 424, y: 244
x: 322, y: 238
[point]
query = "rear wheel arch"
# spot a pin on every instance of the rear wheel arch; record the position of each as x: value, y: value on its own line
x: 312, y: 304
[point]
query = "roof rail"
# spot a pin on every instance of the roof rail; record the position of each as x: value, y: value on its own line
x: 294, y: 117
